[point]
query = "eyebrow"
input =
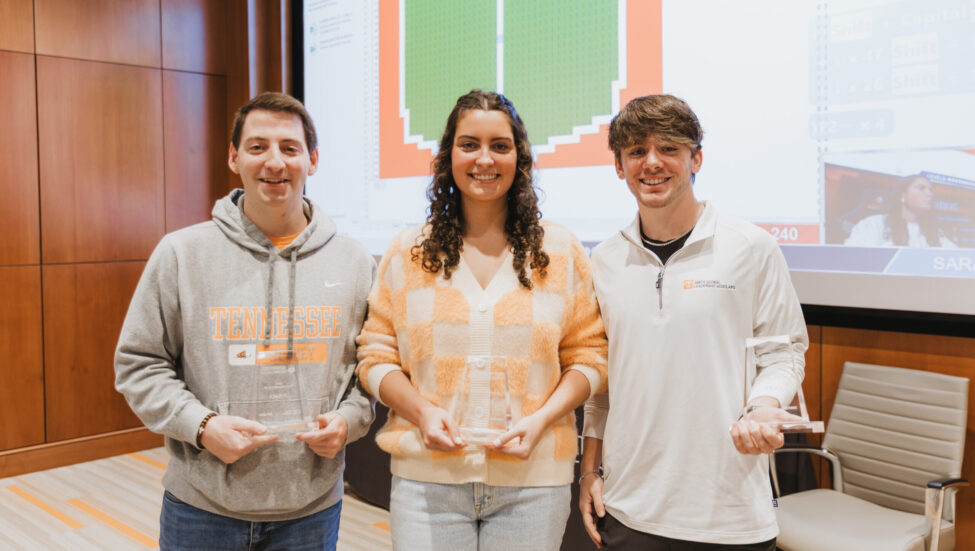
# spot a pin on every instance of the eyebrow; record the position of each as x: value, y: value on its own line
x: 249, y: 139
x: 466, y: 137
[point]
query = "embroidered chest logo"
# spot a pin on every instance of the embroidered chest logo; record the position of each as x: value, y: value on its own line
x: 693, y: 284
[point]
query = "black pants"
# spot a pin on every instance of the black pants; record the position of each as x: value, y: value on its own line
x: 618, y: 537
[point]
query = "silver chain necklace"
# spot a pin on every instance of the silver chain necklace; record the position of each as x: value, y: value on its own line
x: 648, y: 241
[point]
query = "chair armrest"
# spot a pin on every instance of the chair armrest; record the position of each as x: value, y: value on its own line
x: 945, y: 483
x: 834, y: 461
x: 934, y: 502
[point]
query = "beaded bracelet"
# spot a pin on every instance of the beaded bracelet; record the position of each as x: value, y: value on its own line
x: 199, y: 431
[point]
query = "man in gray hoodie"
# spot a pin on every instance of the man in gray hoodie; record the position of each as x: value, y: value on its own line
x: 252, y: 317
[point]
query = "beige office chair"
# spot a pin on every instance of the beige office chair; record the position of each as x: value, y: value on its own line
x: 895, y: 442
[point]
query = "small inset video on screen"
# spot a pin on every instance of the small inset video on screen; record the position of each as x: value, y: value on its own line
x: 924, y: 209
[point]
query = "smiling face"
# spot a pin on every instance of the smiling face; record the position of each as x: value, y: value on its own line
x: 483, y: 158
x: 273, y: 162
x: 658, y: 172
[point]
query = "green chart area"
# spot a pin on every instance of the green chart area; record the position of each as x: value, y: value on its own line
x: 450, y: 49
x: 560, y: 59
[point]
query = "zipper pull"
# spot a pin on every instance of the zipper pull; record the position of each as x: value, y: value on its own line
x: 660, y: 290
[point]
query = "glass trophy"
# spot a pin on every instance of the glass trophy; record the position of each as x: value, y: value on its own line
x: 779, y: 348
x: 277, y: 398
x: 482, y: 405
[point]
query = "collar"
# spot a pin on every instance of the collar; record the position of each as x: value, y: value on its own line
x: 704, y: 230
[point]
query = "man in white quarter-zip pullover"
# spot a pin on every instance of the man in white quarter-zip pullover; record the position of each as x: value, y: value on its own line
x: 680, y: 289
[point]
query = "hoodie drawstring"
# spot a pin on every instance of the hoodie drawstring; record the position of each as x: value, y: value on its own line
x: 291, y: 303
x: 291, y: 300
x: 267, y: 301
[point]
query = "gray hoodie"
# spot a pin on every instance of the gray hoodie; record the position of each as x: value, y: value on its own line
x: 212, y: 297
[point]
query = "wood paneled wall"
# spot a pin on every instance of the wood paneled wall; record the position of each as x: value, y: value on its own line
x: 193, y: 177
x: 115, y: 31
x: 100, y: 134
x: 18, y: 161
x: 22, y: 391
x: 116, y: 117
x: 84, y: 305
x: 17, y: 25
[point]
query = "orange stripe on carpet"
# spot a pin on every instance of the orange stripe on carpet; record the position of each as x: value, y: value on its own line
x: 114, y: 523
x: 145, y: 459
x: 40, y: 504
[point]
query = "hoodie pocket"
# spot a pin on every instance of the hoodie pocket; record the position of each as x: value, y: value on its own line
x: 277, y: 478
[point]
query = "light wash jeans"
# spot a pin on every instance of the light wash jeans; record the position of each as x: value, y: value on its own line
x: 183, y: 527
x: 476, y: 517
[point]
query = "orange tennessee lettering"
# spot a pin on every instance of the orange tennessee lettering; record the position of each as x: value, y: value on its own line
x: 261, y: 316
x: 281, y: 325
x: 299, y: 323
x: 325, y: 324
x: 233, y: 323
x: 218, y: 315
x: 249, y: 322
x: 313, y: 325
x: 336, y: 320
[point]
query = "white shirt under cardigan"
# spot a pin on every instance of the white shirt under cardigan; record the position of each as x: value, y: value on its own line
x: 677, y: 378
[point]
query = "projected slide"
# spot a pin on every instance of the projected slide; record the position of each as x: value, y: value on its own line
x: 815, y: 114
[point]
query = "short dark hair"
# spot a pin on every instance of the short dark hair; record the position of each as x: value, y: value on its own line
x: 661, y: 115
x: 276, y: 102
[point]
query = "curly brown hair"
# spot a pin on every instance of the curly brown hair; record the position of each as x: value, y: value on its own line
x: 440, y: 247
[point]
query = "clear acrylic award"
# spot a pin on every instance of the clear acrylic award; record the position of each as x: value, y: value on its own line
x: 779, y: 348
x: 482, y: 405
x: 277, y: 398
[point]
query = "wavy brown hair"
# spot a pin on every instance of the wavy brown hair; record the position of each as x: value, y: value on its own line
x: 441, y: 246
x: 662, y: 116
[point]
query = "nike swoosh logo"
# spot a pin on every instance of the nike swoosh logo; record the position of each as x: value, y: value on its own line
x: 329, y: 285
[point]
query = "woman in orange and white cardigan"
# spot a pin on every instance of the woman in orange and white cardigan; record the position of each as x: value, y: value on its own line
x: 483, y: 278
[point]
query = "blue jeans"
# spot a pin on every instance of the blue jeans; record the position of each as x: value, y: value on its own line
x: 183, y: 527
x: 458, y: 517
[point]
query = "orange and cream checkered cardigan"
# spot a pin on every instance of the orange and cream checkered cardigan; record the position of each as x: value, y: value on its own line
x: 427, y: 326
